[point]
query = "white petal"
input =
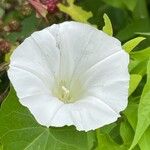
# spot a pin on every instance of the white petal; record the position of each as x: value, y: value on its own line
x: 87, y: 114
x: 43, y: 107
x: 37, y: 54
x: 82, y: 46
x: 109, y: 80
x: 26, y: 83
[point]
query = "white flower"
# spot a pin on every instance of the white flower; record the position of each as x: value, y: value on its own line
x: 71, y: 74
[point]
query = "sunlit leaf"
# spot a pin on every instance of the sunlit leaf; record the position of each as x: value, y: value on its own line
x: 108, y: 26
x: 75, y: 12
x: 144, y: 143
x: 143, y: 111
x: 130, y: 45
x: 134, y: 81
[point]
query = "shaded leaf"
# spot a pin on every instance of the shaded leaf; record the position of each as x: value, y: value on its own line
x: 129, y: 4
x: 141, y: 25
x: 105, y: 142
x: 126, y: 133
x: 138, y: 67
x: 140, y: 10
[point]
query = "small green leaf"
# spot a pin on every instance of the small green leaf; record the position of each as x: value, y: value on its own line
x: 75, y: 12
x: 108, y: 26
x: 143, y: 111
x: 130, y: 45
x: 19, y: 130
x: 134, y: 82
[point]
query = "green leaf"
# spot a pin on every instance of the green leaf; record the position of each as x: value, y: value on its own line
x: 114, y: 3
x: 128, y: 32
x: 143, y: 111
x: 141, y: 10
x: 141, y: 55
x: 131, y: 114
x: 134, y: 82
x: 144, y: 143
x: 126, y: 133
x: 138, y: 67
x: 108, y: 26
x: 130, y: 45
x: 1, y: 147
x: 19, y: 130
x: 129, y: 4
x: 105, y: 142
x: 75, y: 12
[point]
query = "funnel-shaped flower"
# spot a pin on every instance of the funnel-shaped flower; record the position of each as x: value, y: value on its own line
x: 71, y: 74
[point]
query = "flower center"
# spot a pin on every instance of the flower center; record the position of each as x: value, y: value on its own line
x: 66, y: 93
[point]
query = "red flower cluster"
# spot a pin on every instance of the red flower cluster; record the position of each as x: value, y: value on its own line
x: 43, y: 7
x: 51, y: 5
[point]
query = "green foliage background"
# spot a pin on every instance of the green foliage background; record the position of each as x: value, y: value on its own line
x: 127, y: 20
